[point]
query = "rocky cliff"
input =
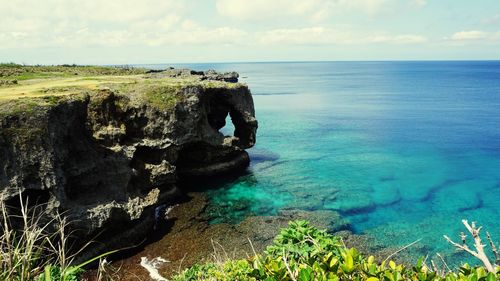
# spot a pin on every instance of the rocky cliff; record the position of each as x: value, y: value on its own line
x: 107, y: 150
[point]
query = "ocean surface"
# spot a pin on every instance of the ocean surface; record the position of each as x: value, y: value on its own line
x: 402, y: 150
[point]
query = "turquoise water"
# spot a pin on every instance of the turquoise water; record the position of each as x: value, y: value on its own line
x: 403, y: 150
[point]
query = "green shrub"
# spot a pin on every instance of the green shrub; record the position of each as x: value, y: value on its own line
x: 303, y: 253
x: 164, y: 97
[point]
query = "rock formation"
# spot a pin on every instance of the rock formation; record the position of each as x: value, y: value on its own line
x: 108, y: 157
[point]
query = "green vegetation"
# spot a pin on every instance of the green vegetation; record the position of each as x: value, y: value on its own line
x: 37, y: 252
x: 30, y: 105
x: 302, y: 253
x: 164, y: 97
x: 25, y: 105
x: 23, y: 89
x: 11, y: 71
x: 31, y: 249
x: 30, y: 246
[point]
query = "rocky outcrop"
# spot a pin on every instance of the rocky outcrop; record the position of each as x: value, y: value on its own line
x: 211, y: 74
x: 107, y: 159
x: 226, y: 76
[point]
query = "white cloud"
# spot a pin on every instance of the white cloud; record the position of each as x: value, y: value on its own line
x: 70, y: 23
x: 462, y: 38
x: 91, y: 22
x: 90, y: 10
x: 192, y: 33
x: 265, y: 9
x: 398, y: 39
x: 311, y: 9
x: 470, y: 35
x: 304, y: 36
x: 332, y: 36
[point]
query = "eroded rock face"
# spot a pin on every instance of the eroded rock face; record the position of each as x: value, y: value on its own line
x: 107, y: 160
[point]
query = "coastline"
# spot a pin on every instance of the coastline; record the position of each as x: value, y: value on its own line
x: 189, y: 238
x: 321, y: 164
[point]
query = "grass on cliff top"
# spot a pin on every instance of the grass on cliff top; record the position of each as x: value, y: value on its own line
x: 164, y: 93
x: 45, y: 88
x: 124, y: 84
x: 24, y: 81
x: 61, y: 86
x: 17, y: 72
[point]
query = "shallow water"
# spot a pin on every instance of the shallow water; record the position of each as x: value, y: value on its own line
x: 403, y: 150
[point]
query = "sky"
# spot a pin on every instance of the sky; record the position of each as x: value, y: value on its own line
x: 197, y: 31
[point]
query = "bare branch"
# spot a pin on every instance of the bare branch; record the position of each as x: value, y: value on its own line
x: 493, y: 248
x: 463, y: 236
x: 460, y: 247
x: 292, y: 276
x: 435, y: 268
x: 402, y: 249
x: 444, y: 263
x: 479, y: 253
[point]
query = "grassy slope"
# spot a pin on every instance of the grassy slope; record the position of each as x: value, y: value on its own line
x: 25, y: 87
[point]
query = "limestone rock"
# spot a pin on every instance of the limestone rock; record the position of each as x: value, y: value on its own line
x: 109, y: 158
x: 226, y: 76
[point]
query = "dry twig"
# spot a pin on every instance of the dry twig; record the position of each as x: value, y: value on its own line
x: 494, y: 249
x: 292, y: 276
x: 479, y: 253
x: 402, y: 249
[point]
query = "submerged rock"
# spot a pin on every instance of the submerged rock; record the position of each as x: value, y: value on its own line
x: 106, y: 158
x: 192, y: 239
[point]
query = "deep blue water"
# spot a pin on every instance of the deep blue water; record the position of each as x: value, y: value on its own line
x: 403, y: 150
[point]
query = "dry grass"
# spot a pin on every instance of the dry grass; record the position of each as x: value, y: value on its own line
x: 25, y: 251
x: 33, y: 247
x: 41, y: 87
x: 66, y: 86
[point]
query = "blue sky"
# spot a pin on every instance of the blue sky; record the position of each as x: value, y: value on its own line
x: 163, y: 31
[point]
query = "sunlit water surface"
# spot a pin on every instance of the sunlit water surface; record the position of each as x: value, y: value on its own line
x: 403, y: 150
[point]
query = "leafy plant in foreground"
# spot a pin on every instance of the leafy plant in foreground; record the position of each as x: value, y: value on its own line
x: 304, y: 253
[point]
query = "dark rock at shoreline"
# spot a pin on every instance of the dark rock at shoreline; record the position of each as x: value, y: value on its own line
x: 192, y: 239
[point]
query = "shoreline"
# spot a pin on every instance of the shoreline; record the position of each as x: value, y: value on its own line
x: 190, y: 238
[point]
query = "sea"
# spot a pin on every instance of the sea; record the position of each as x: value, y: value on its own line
x: 402, y: 150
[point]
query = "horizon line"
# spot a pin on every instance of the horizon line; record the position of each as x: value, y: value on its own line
x: 319, y: 61
x: 257, y: 61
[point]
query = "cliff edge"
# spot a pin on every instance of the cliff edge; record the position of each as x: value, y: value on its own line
x: 106, y: 150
